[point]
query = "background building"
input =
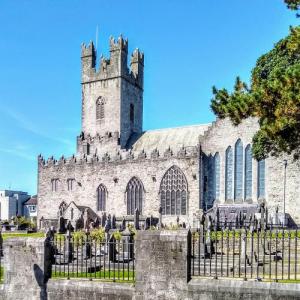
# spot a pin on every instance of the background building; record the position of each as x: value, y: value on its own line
x: 12, y: 203
x: 30, y: 207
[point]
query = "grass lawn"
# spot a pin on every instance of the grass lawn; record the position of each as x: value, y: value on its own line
x: 6, y: 235
x: 100, y: 275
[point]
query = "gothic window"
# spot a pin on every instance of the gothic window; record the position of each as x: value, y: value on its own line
x: 217, y: 176
x: 238, y: 170
x: 248, y: 172
x: 131, y: 113
x: 71, y: 184
x: 134, y: 195
x: 54, y: 185
x: 100, y: 112
x: 173, y: 192
x: 261, y: 179
x: 228, y: 173
x: 101, y: 197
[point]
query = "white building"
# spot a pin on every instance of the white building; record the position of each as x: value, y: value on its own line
x: 12, y: 203
x: 30, y: 207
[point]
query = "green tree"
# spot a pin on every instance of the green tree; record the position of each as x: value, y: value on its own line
x: 293, y: 4
x: 273, y: 97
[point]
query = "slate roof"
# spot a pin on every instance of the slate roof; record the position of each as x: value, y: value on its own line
x: 162, y: 139
x: 31, y: 201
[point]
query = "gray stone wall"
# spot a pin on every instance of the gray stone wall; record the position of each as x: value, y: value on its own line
x: 87, y: 290
x: 223, y: 134
x: 115, y: 176
x: 25, y: 269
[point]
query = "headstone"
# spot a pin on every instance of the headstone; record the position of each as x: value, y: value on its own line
x: 160, y: 217
x: 70, y: 228
x: 137, y: 219
x: 79, y: 224
x: 96, y: 222
x: 123, y: 225
x: 103, y: 219
x: 62, y: 226
x: 107, y: 225
x: 86, y: 223
x: 68, y: 251
x: 114, y: 222
x: 87, y: 251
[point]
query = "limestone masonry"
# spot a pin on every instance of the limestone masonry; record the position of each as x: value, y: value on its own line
x: 119, y: 167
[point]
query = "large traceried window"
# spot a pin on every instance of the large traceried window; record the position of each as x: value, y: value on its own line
x: 173, y: 192
x: 228, y: 173
x: 248, y: 172
x: 261, y: 179
x: 101, y: 197
x: 238, y: 170
x: 100, y: 109
x: 134, y: 195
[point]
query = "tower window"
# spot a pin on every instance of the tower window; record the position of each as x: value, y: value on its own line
x: 100, y: 110
x: 131, y: 113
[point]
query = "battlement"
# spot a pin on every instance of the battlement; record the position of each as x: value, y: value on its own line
x: 114, y: 66
x: 119, y: 157
x: 119, y: 45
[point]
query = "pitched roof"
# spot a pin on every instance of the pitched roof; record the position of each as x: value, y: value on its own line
x: 162, y: 139
x: 31, y: 201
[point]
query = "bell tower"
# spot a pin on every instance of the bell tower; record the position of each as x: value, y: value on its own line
x: 112, y: 95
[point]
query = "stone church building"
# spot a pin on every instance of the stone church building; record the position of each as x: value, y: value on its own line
x: 119, y: 167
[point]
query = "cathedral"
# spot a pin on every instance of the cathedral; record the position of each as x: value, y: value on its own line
x: 179, y: 172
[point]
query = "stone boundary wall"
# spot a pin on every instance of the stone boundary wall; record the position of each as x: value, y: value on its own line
x: 84, y: 289
x: 162, y: 272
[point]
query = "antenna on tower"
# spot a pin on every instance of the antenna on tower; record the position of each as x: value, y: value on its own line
x: 97, y: 29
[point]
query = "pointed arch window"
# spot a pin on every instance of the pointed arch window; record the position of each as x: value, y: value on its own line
x: 217, y: 176
x: 261, y: 169
x: 101, y: 197
x: 173, y: 192
x: 248, y: 172
x: 238, y: 170
x: 134, y: 195
x: 100, y: 109
x: 228, y: 173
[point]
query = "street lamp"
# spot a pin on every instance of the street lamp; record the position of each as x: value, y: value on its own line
x: 284, y: 189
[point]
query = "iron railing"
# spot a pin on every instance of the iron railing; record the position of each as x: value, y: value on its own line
x: 263, y: 254
x: 85, y: 257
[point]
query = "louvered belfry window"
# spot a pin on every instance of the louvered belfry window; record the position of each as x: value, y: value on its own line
x: 101, y: 198
x: 261, y: 179
x: 248, y: 172
x: 228, y: 173
x: 173, y: 192
x: 134, y: 195
x: 238, y: 171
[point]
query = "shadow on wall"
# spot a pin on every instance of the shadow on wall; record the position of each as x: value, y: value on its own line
x: 39, y: 277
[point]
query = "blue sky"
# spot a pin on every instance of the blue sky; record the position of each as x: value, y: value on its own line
x: 189, y: 47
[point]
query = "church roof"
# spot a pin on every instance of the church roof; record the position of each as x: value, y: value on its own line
x: 175, y: 138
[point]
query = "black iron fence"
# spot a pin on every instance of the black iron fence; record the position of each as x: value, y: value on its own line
x: 249, y: 252
x: 84, y: 256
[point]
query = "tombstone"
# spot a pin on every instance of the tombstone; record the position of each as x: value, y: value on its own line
x: 86, y: 223
x: 107, y: 226
x: 103, y: 219
x: 114, y: 222
x: 96, y: 222
x: 112, y: 251
x: 209, y: 248
x: 160, y: 217
x: 86, y: 249
x: 79, y: 224
x: 70, y: 228
x: 128, y: 246
x: 123, y: 225
x: 68, y: 251
x: 183, y: 225
x: 137, y: 219
x: 244, y: 255
x: 177, y: 220
x: 62, y: 226
x: 276, y: 216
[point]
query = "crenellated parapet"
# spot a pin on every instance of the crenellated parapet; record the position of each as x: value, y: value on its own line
x: 115, y: 65
x: 118, y: 157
